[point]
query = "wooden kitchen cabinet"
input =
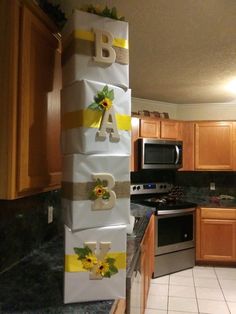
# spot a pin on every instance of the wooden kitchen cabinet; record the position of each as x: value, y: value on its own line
x: 147, y: 261
x: 30, y: 83
x: 214, y: 146
x: 187, y: 136
x: 169, y: 129
x: 216, y: 235
x: 234, y: 146
x: 150, y: 128
x: 157, y: 128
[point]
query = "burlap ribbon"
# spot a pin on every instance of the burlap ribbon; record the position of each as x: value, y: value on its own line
x: 82, y: 42
x: 80, y: 191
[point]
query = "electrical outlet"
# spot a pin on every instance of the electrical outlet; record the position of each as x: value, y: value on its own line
x: 50, y: 214
x: 212, y: 186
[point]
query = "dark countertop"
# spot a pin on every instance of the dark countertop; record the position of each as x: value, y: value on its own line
x: 211, y: 202
x: 35, y: 284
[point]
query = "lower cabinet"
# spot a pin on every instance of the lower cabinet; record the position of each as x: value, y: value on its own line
x: 216, y: 234
x: 147, y: 262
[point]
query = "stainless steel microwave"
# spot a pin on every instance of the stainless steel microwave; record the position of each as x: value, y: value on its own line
x: 159, y: 154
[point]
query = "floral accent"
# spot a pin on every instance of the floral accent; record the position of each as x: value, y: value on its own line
x: 100, y: 190
x: 103, y: 99
x: 102, y: 268
x: 89, y: 261
x: 105, y: 268
x: 106, y: 103
x: 111, y: 13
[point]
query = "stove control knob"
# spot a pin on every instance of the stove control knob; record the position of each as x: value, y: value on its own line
x: 134, y: 187
x: 138, y: 187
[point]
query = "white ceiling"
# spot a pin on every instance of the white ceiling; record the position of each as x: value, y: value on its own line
x: 181, y: 51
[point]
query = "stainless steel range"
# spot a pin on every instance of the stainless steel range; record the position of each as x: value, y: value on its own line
x: 174, y: 226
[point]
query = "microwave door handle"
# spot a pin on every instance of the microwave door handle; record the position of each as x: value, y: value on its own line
x: 177, y: 154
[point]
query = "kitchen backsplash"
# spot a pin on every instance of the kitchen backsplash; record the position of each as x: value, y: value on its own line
x: 197, y: 184
x: 152, y: 175
x: 24, y: 225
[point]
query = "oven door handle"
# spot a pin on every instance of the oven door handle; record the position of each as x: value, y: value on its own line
x: 175, y: 211
x: 177, y: 154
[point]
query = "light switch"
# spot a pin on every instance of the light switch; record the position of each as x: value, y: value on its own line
x: 50, y: 214
x: 212, y: 186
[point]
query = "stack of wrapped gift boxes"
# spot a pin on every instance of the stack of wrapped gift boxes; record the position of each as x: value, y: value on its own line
x: 96, y: 105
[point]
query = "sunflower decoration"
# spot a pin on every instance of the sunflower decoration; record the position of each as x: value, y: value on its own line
x: 100, y: 191
x: 105, y: 268
x: 103, y: 99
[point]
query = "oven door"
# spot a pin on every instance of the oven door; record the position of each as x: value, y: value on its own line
x: 175, y: 231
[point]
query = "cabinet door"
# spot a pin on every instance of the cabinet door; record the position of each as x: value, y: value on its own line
x: 218, y: 240
x: 169, y: 129
x: 39, y: 115
x: 9, y: 39
x: 143, y: 275
x: 213, y: 146
x: 234, y: 146
x: 150, y: 128
x: 187, y: 137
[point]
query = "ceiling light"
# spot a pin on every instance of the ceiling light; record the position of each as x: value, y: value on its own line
x: 231, y: 86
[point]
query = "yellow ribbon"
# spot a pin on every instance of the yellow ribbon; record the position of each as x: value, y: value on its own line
x: 72, y: 264
x: 90, y: 36
x: 91, y: 119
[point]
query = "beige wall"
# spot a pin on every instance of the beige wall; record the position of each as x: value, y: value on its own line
x: 207, y: 112
x: 151, y: 105
x: 188, y: 112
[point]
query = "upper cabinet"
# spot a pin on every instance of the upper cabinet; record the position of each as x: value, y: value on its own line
x: 156, y: 128
x: 30, y: 83
x: 150, y: 128
x: 187, y: 136
x: 214, y: 146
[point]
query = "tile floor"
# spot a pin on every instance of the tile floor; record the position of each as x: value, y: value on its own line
x: 210, y: 290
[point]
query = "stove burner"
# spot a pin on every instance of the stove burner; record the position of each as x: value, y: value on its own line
x: 163, y: 200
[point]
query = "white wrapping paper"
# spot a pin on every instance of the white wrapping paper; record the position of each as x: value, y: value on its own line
x: 77, y: 66
x: 82, y: 139
x: 79, y: 209
x: 78, y: 285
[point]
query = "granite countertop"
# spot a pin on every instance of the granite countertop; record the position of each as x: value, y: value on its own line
x: 211, y: 202
x: 35, y: 284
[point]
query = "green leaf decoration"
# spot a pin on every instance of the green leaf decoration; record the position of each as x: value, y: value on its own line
x: 104, y: 183
x: 94, y: 106
x: 113, y: 270
x: 106, y: 195
x: 82, y: 252
x: 110, y: 260
x: 114, y: 13
x: 98, y: 181
x: 105, y: 90
x: 107, y: 275
x: 110, y: 94
x: 106, y: 12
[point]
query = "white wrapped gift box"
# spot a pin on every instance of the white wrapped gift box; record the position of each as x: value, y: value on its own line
x: 84, y: 204
x: 80, y: 43
x: 95, y: 264
x: 81, y: 125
